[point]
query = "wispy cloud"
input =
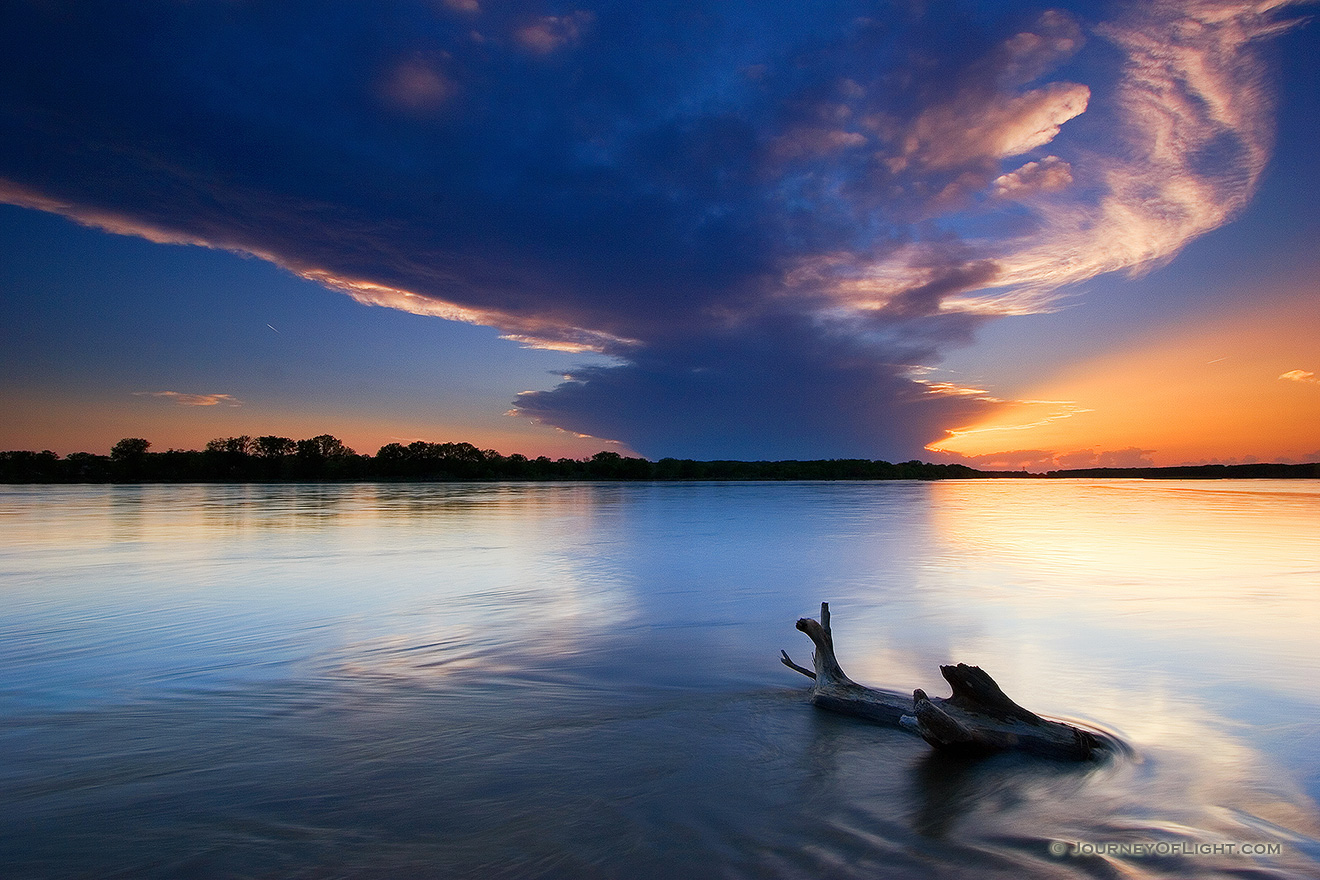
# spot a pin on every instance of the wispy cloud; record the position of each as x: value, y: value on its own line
x: 1190, y: 127
x: 1042, y: 412
x: 1306, y: 377
x: 183, y: 399
x: 765, y: 220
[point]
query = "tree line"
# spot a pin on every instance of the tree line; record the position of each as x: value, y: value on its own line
x: 325, y: 457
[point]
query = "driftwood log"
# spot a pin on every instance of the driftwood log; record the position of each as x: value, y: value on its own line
x: 978, y: 717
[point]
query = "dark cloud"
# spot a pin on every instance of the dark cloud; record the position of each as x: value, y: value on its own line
x: 769, y: 219
x: 778, y: 389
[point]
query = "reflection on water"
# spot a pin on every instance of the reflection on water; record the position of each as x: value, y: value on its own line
x: 580, y: 680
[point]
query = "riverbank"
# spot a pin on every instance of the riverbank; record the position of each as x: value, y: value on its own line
x: 431, y: 462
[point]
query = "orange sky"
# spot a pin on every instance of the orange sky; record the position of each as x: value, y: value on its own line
x: 94, y: 424
x: 1241, y: 387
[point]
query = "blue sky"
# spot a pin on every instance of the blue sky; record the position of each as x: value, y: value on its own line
x: 700, y: 229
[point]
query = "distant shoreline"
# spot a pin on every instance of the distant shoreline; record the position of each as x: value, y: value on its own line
x: 1262, y: 471
x: 325, y: 458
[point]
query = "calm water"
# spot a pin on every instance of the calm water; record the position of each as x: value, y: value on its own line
x: 581, y: 680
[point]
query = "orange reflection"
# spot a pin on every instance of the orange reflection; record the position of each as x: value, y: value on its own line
x: 1222, y: 571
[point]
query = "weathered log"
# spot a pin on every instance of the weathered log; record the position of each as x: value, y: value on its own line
x: 977, y: 717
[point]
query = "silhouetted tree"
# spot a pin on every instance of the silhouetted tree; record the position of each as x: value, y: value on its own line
x: 86, y: 467
x: 227, y: 457
x: 606, y: 465
x: 323, y: 446
x: 516, y: 467
x: 271, y: 446
x: 128, y: 457
x: 392, y: 452
x: 392, y: 460
x: 461, y: 452
x: 129, y: 449
x: 233, y: 446
x: 30, y: 467
x: 326, y: 456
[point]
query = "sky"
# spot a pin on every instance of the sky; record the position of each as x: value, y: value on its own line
x: 1007, y: 234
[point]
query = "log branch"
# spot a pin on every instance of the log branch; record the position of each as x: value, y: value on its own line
x: 977, y: 717
x: 788, y: 661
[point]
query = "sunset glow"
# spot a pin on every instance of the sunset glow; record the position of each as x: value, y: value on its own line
x: 1187, y: 395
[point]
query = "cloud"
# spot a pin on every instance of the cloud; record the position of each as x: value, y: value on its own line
x: 1008, y: 125
x: 1021, y: 415
x: 1049, y: 174
x: 1304, y: 376
x: 1185, y: 135
x: 417, y: 86
x: 1043, y: 460
x: 553, y: 32
x: 182, y: 399
x: 802, y: 142
x: 1130, y: 457
x: 706, y: 397
x: 766, y: 223
x: 1033, y: 460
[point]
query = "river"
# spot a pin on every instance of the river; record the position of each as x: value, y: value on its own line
x: 581, y: 680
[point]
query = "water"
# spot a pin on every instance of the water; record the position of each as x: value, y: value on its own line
x: 549, y: 680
